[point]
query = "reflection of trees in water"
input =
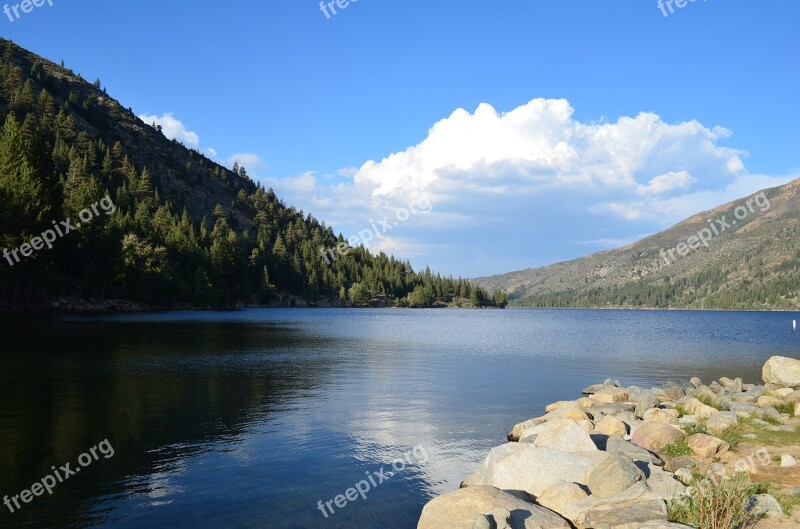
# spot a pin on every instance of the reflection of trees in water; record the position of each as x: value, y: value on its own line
x: 149, y: 388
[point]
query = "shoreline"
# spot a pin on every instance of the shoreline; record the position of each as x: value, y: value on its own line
x: 627, y: 458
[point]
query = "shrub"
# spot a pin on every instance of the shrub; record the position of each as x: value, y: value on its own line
x: 714, y: 504
x: 679, y: 448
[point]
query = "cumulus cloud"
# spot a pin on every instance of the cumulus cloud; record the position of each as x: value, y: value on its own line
x: 536, y: 168
x: 173, y: 128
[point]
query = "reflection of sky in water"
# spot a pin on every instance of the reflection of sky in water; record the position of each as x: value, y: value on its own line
x: 256, y: 422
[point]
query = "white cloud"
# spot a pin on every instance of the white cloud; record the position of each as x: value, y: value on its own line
x: 173, y: 128
x: 534, y: 176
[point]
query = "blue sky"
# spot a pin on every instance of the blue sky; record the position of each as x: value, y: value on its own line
x: 539, y: 131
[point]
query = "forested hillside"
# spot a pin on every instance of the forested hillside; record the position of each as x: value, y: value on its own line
x: 183, y: 230
x: 753, y: 264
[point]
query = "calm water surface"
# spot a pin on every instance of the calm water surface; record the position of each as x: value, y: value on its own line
x: 248, y: 419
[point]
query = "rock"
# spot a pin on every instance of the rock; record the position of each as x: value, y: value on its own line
x: 562, y: 434
x: 561, y: 494
x: 674, y: 392
x: 654, y: 436
x: 626, y: 516
x: 667, y: 416
x: 529, y: 439
x: 783, y: 392
x: 460, y: 509
x: 695, y: 407
x: 696, y: 382
x: 721, y: 421
x: 645, y: 403
x: 576, y: 415
x: 587, y: 425
x: 765, y: 505
x: 663, y: 484
x: 706, y: 446
x: 797, y: 410
x: 793, y: 397
x: 610, y: 425
x: 613, y: 476
x: 766, y: 400
x: 611, y: 395
x: 782, y: 371
x: 530, y: 468
x: 617, y: 445
x: 788, y: 461
x: 684, y: 475
x: 594, y: 388
x: 484, y: 522
x: 727, y: 382
x: 560, y: 404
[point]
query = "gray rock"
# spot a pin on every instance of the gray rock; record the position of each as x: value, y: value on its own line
x: 696, y: 382
x: 721, y: 421
x: 613, y: 476
x: 627, y: 516
x: 561, y: 434
x: 645, y: 403
x: 529, y: 439
x: 560, y: 495
x: 459, y: 510
x: 765, y: 505
x: 617, y: 445
x: 527, y: 467
x: 684, y: 475
x: 788, y: 461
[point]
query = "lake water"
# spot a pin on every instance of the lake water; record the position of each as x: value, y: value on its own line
x: 248, y: 419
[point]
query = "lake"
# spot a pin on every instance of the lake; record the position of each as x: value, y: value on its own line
x: 256, y: 418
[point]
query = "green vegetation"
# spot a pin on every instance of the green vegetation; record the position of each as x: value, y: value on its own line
x: 679, y: 448
x: 692, y: 429
x: 785, y: 407
x: 715, y: 504
x: 185, y: 231
x: 789, y: 502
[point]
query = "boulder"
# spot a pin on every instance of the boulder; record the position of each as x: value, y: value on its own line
x: 765, y: 505
x: 628, y: 516
x: 696, y: 382
x: 768, y: 401
x: 706, y: 445
x: 558, y: 496
x: 783, y: 392
x: 610, y: 425
x: 793, y: 397
x: 530, y: 468
x: 483, y: 521
x: 611, y: 395
x: 617, y: 445
x: 647, y: 402
x: 613, y: 476
x: 667, y: 416
x: 788, y: 461
x: 721, y: 421
x: 459, y: 510
x: 782, y: 371
x: 654, y: 436
x: 695, y: 407
x: 561, y: 434
x: 560, y: 404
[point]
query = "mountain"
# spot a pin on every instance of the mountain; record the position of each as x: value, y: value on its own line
x: 96, y: 205
x: 748, y: 258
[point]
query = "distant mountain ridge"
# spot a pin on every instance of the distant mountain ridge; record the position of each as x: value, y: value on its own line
x: 752, y: 264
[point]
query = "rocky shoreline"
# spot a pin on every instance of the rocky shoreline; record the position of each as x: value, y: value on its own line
x: 628, y: 457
